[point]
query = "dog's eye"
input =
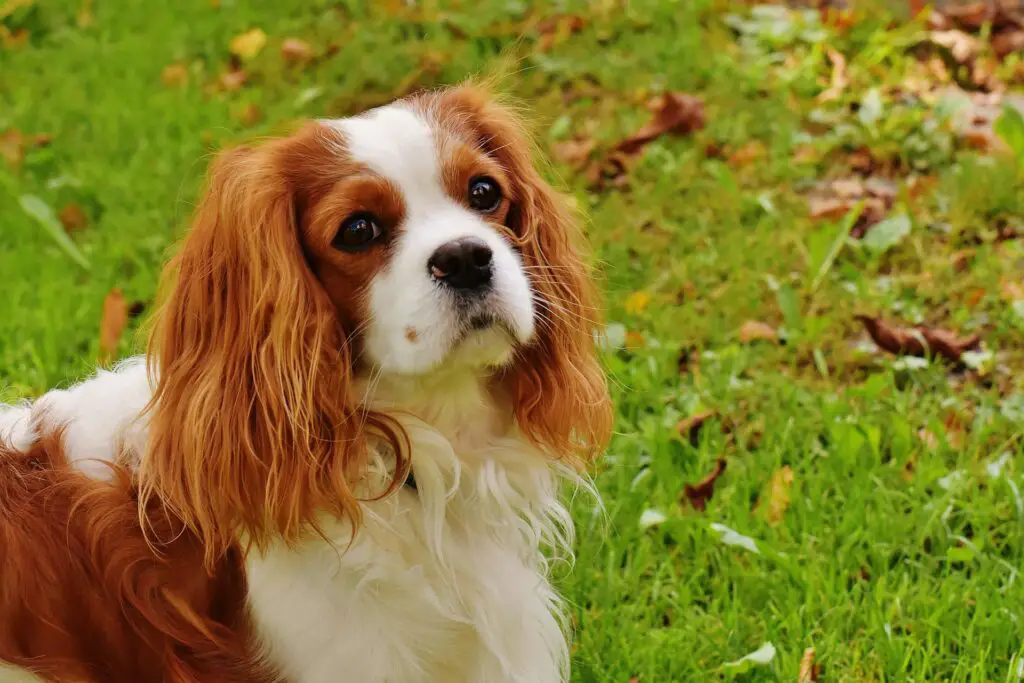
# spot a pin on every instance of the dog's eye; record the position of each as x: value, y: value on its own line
x: 357, y: 232
x: 484, y: 194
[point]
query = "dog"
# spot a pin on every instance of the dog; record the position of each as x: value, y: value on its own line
x: 370, y: 373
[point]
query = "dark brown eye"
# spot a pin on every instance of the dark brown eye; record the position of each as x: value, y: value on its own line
x: 358, y: 232
x: 484, y: 194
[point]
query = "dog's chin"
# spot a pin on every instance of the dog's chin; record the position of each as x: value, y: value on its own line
x: 484, y: 343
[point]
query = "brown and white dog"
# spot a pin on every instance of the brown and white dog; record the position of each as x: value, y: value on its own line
x: 367, y: 299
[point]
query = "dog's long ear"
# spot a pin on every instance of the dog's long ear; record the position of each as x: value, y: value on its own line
x: 560, y: 391
x: 253, y: 425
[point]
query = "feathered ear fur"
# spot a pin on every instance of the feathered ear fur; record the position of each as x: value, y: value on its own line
x: 254, y: 430
x: 560, y: 392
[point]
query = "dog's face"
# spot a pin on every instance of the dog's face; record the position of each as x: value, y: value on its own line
x: 414, y: 244
x: 415, y: 238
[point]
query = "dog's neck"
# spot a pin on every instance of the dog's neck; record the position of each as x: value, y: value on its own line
x: 466, y: 406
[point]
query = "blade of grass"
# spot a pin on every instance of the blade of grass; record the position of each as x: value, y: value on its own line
x: 43, y: 214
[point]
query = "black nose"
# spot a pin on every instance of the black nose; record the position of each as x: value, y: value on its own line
x: 463, y: 263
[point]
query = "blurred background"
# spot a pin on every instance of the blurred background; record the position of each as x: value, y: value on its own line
x: 808, y: 221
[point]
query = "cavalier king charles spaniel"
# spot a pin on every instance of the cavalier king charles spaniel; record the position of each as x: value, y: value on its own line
x: 372, y: 369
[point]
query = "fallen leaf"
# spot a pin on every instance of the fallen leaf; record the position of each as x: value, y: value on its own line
x: 689, y: 428
x: 747, y: 154
x: 806, y: 154
x: 248, y: 114
x: 961, y: 260
x: 839, y: 80
x: 829, y: 208
x: 13, y: 39
x: 174, y: 75
x: 556, y: 30
x: 673, y: 113
x: 73, y: 218
x: 12, y: 147
x: 762, y: 656
x: 634, y: 341
x: 971, y: 15
x: 754, y: 330
x: 809, y: 671
x: 920, y: 341
x: 887, y: 233
x: 1011, y: 290
x: 637, y: 303
x: 730, y: 537
x: 700, y: 493
x: 249, y: 44
x: 232, y: 80
x: 962, y: 46
x: 575, y: 152
x: 1007, y: 43
x: 112, y: 324
x: 296, y: 51
x: 778, y: 495
x: 651, y: 518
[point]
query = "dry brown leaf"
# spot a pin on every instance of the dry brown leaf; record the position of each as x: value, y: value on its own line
x: 574, y: 152
x: 700, y: 493
x: 962, y: 46
x: 232, y: 80
x: 73, y: 218
x: 296, y: 51
x: 839, y: 19
x: 848, y: 188
x: 747, y: 154
x: 248, y: 114
x: 556, y: 30
x: 882, y: 188
x: 174, y: 75
x: 779, y: 495
x: 608, y: 172
x: 673, y: 113
x: 689, y: 428
x: 1011, y: 290
x: 840, y: 80
x: 13, y: 39
x: 1008, y: 42
x: 970, y: 15
x: 634, y: 679
x: 12, y: 147
x: 112, y: 324
x: 806, y: 154
x: 809, y: 671
x: 828, y: 208
x: 961, y: 260
x: 634, y: 340
x: 755, y: 330
x: 249, y: 44
x: 974, y: 297
x: 918, y: 341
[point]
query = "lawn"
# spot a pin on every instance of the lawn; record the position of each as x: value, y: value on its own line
x: 836, y: 175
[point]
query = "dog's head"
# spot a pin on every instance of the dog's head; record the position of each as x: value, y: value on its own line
x: 414, y: 239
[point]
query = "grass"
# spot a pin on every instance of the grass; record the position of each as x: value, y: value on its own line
x: 891, y: 568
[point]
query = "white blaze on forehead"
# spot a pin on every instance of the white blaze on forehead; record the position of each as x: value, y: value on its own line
x: 398, y: 144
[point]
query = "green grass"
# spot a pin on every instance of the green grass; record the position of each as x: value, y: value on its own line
x: 886, y: 572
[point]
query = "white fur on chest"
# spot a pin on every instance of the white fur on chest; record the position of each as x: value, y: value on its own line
x: 444, y: 584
